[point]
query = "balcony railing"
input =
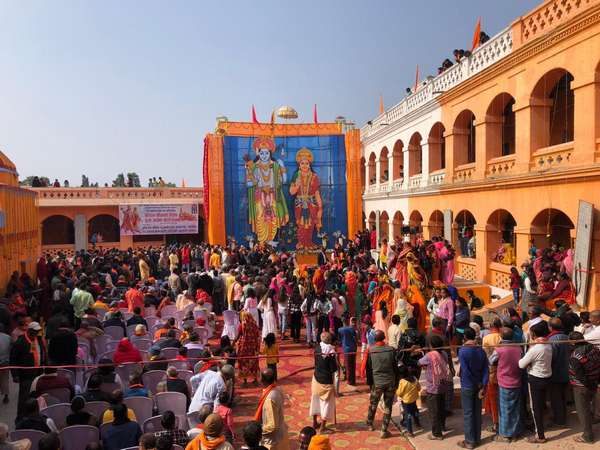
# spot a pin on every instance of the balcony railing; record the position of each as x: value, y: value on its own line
x: 78, y: 193
x: 501, y: 166
x: 437, y: 177
x: 489, y: 53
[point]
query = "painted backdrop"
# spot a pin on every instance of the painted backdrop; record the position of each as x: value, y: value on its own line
x: 286, y: 189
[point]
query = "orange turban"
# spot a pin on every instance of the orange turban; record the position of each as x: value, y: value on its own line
x: 319, y: 442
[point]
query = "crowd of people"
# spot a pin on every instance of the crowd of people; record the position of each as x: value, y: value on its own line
x: 374, y: 313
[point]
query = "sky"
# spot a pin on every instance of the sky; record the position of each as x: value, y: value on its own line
x: 103, y: 87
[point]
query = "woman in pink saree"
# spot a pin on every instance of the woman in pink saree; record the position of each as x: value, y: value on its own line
x: 567, y: 263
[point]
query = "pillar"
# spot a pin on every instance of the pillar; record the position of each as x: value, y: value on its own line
x: 489, y: 142
x: 425, y: 163
x: 391, y: 231
x: 377, y: 225
x: 587, y: 126
x: 483, y: 251
x: 532, y: 125
x: 456, y: 152
x: 377, y: 175
x: 81, y: 231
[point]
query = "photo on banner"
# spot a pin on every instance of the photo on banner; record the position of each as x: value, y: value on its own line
x: 153, y: 219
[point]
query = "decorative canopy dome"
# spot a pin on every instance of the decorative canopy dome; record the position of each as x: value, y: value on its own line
x: 8, y: 171
x: 287, y: 112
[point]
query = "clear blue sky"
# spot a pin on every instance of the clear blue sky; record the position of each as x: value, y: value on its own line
x: 103, y: 87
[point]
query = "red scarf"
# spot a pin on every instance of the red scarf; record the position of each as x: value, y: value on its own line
x: 494, y: 331
x: 435, y: 330
x: 210, y: 445
x: 363, y: 368
x: 268, y: 390
x: 207, y: 366
x: 554, y: 333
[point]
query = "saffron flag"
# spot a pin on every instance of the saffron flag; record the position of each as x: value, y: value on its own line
x: 476, y: 38
x: 254, y: 119
x: 416, y: 79
x: 316, y: 113
x: 273, y: 116
x: 182, y: 182
x: 380, y: 104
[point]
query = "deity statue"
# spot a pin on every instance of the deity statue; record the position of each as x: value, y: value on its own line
x: 308, y: 205
x: 265, y: 177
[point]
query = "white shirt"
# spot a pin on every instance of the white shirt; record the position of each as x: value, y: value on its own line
x: 211, y: 386
x: 593, y: 336
x: 539, y: 360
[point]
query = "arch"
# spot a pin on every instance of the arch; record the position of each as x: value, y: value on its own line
x: 500, y: 117
x: 106, y: 225
x: 557, y: 229
x: 415, y: 220
x: 465, y: 230
x: 398, y: 224
x: 437, y: 147
x: 384, y: 219
x: 363, y: 175
x: 58, y: 230
x: 465, y: 142
x: 415, y: 155
x: 371, y: 174
x: 500, y: 225
x: 398, y: 154
x: 555, y: 119
x: 436, y: 224
x: 372, y: 220
x: 384, y: 173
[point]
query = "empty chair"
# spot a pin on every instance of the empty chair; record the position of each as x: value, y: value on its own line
x: 194, y: 353
x: 204, y: 334
x: 127, y: 315
x: 96, y: 408
x: 185, y: 374
x: 192, y: 419
x: 189, y: 307
x: 111, y: 345
x: 199, y: 314
x: 62, y: 394
x: 180, y: 365
x: 149, y: 311
x: 145, y: 355
x: 67, y: 374
x: 57, y: 413
x: 168, y: 311
x: 155, y: 328
x: 141, y: 406
x: 152, y: 425
x: 173, y: 401
x: 78, y: 436
x: 152, y: 378
x: 100, y: 343
x: 179, y: 315
x: 125, y: 369
x: 152, y: 320
x: 33, y: 435
x: 107, y: 355
x: 101, y: 312
x: 231, y: 324
x: 142, y: 344
x: 116, y: 333
x: 170, y: 353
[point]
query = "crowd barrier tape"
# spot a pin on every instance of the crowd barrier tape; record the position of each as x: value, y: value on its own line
x: 358, y: 352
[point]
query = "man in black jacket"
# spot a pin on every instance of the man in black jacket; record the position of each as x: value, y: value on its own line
x: 29, y: 352
x: 322, y: 402
x: 63, y: 347
x: 382, y: 378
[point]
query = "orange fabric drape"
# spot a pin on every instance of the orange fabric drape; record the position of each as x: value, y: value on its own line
x: 476, y: 39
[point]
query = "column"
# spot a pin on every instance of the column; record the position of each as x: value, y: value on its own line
x: 532, y: 130
x: 377, y: 225
x: 587, y: 126
x: 377, y: 174
x: 367, y: 178
x: 489, y: 143
x: 391, y: 233
x: 483, y: 251
x: 424, y: 163
x: 81, y: 231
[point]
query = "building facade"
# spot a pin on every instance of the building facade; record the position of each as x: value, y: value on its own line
x: 505, y: 142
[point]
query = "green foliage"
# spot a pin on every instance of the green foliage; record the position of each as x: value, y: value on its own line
x: 119, y: 181
x: 85, y: 181
x: 135, y: 178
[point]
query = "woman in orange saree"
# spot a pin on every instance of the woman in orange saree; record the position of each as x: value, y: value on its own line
x: 386, y: 295
x: 416, y: 275
x: 436, y: 264
x: 351, y: 284
x: 415, y: 298
x: 319, y: 281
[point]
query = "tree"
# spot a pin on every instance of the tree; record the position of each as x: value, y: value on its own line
x: 135, y: 178
x: 169, y: 184
x: 119, y: 181
x: 85, y: 181
x: 27, y: 181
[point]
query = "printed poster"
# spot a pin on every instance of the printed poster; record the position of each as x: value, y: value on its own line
x: 172, y: 218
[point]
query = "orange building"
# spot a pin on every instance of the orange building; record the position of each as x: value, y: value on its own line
x: 19, y: 243
x: 514, y: 148
x: 69, y: 217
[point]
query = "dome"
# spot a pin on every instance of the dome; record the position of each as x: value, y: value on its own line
x: 8, y: 171
x: 287, y: 112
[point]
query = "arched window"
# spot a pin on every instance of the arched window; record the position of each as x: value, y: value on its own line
x: 415, y: 151
x: 465, y: 143
x: 437, y: 147
x: 58, y: 230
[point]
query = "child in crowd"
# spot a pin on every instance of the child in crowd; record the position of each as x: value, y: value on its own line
x: 515, y: 285
x: 183, y: 351
x: 187, y: 330
x: 226, y: 414
x: 474, y: 301
x: 228, y: 350
x: 408, y: 391
x: 367, y: 328
x: 271, y: 349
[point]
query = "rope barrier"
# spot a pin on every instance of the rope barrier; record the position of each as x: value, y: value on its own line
x: 259, y: 357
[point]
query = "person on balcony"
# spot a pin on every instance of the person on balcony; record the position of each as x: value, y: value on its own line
x: 56, y: 183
